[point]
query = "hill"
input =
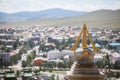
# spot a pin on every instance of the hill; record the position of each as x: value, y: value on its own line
x: 99, y: 18
x: 34, y: 15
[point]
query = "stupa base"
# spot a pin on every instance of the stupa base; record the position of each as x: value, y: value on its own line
x: 84, y: 72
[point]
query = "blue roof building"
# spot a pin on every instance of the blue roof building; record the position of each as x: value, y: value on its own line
x: 114, y: 44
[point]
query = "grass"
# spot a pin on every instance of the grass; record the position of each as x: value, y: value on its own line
x: 59, y: 72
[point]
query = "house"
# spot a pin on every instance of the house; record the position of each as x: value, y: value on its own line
x: 4, y: 57
x: 54, y: 54
x: 98, y: 57
x: 39, y: 60
x: 114, y: 57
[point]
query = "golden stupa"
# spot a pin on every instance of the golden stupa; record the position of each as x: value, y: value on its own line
x: 84, y: 67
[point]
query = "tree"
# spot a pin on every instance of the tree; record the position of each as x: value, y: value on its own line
x: 99, y: 64
x: 44, y: 55
x: 29, y: 59
x: 107, y: 63
x: 33, y: 54
x: 61, y: 65
x: 42, y: 47
x: 52, y: 77
x: 15, y: 58
x: 24, y: 64
x: 18, y: 72
x: 6, y: 63
x: 15, y: 45
x: 117, y: 64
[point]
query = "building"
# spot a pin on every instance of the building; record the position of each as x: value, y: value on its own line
x: 37, y: 61
x: 115, y: 46
x: 114, y: 57
x: 98, y: 57
x: 4, y: 57
x: 54, y: 54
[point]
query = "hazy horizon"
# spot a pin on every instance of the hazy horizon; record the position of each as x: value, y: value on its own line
x: 14, y: 6
x: 57, y: 8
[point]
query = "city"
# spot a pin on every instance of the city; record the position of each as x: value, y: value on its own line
x: 46, y: 51
x: 59, y: 39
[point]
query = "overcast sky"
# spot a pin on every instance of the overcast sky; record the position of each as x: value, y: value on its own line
x: 12, y: 6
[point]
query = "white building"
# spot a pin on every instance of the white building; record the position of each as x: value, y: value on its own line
x: 54, y: 54
x: 68, y: 58
x: 57, y: 60
x: 98, y: 57
x: 67, y: 52
x: 114, y: 56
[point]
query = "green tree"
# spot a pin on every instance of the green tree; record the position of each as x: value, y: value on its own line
x: 60, y: 65
x: 6, y: 63
x: 99, y: 64
x: 42, y: 47
x: 107, y: 64
x: 52, y: 77
x: 24, y: 64
x: 33, y: 54
x: 15, y: 45
x: 117, y: 64
x: 44, y: 55
x: 15, y: 58
x: 29, y: 59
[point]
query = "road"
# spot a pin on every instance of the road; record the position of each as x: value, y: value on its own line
x: 23, y: 57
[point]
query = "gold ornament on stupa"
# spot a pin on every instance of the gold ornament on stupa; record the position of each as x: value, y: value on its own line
x: 84, y: 67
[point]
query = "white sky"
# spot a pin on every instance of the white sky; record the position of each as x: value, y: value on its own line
x: 12, y: 6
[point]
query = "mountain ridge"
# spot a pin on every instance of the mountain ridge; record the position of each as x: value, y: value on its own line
x: 32, y: 15
x: 99, y: 18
